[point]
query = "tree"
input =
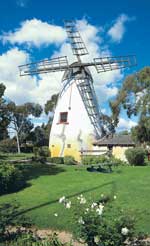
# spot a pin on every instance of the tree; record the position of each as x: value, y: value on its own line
x: 141, y: 132
x: 108, y: 127
x: 51, y: 104
x: 134, y: 97
x: 40, y: 135
x: 20, y: 119
x: 4, y: 114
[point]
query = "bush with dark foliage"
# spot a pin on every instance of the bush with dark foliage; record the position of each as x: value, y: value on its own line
x: 69, y: 160
x: 136, y: 156
x: 8, y: 146
x: 11, y: 178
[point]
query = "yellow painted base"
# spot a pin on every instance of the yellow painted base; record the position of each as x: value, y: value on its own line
x: 74, y: 150
x: 55, y: 152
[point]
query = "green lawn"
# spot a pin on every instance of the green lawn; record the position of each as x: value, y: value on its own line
x: 47, y: 184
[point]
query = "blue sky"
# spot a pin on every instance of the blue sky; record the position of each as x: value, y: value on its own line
x: 32, y: 30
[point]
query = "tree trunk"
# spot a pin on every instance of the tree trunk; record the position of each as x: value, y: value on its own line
x: 18, y: 144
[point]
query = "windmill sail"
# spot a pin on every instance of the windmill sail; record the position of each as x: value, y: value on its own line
x: 76, y: 41
x: 44, y: 66
x: 104, y: 64
x: 88, y: 95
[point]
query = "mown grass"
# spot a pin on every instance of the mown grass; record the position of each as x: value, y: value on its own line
x: 46, y: 184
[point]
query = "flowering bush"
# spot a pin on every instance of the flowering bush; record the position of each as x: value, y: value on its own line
x: 98, y: 223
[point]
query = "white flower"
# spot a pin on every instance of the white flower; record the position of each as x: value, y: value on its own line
x: 55, y: 214
x: 124, y: 231
x: 82, y: 200
x: 102, y: 195
x: 62, y: 199
x: 68, y: 204
x: 81, y: 221
x: 80, y: 197
x: 115, y: 197
x: 99, y: 211
x: 94, y: 204
x: 100, y: 208
x: 86, y: 210
x: 96, y: 239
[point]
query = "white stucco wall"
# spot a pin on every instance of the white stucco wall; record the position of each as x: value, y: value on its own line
x: 78, y: 132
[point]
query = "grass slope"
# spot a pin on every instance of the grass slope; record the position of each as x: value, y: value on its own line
x: 47, y: 184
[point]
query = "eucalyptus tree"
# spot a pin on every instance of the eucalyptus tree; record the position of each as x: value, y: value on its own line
x: 20, y: 119
x: 4, y: 114
x: 134, y: 98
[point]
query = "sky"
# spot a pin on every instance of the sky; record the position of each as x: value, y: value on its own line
x: 32, y: 30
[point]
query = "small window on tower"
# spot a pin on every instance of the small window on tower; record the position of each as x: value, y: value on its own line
x: 63, y: 117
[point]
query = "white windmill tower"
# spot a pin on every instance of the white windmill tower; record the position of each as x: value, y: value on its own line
x: 77, y: 120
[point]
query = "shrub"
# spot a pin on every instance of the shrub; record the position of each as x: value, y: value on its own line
x: 117, y: 162
x: 136, y: 156
x: 11, y: 178
x: 44, y: 151
x: 69, y: 160
x: 36, y: 151
x: 9, y: 216
x: 22, y: 235
x: 29, y: 238
x: 146, y: 161
x: 89, y: 160
x: 8, y: 145
x: 56, y: 160
x: 86, y: 160
x: 99, y: 223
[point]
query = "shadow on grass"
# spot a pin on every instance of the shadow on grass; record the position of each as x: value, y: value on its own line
x: 32, y: 171
x: 35, y: 170
x: 119, y: 171
x: 70, y: 196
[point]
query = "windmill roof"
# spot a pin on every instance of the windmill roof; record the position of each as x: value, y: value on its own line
x: 116, y: 140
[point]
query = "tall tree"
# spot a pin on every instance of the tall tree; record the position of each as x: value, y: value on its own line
x: 141, y: 132
x: 51, y: 104
x: 4, y: 114
x: 20, y: 120
x: 134, y: 97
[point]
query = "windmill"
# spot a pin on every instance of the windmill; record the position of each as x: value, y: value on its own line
x: 77, y: 120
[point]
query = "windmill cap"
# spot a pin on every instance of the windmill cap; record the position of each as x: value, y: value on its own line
x: 78, y: 72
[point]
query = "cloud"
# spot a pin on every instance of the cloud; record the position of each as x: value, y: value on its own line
x: 116, y: 32
x: 40, y: 89
x: 35, y: 33
x: 125, y: 124
x: 17, y: 88
x: 28, y: 88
